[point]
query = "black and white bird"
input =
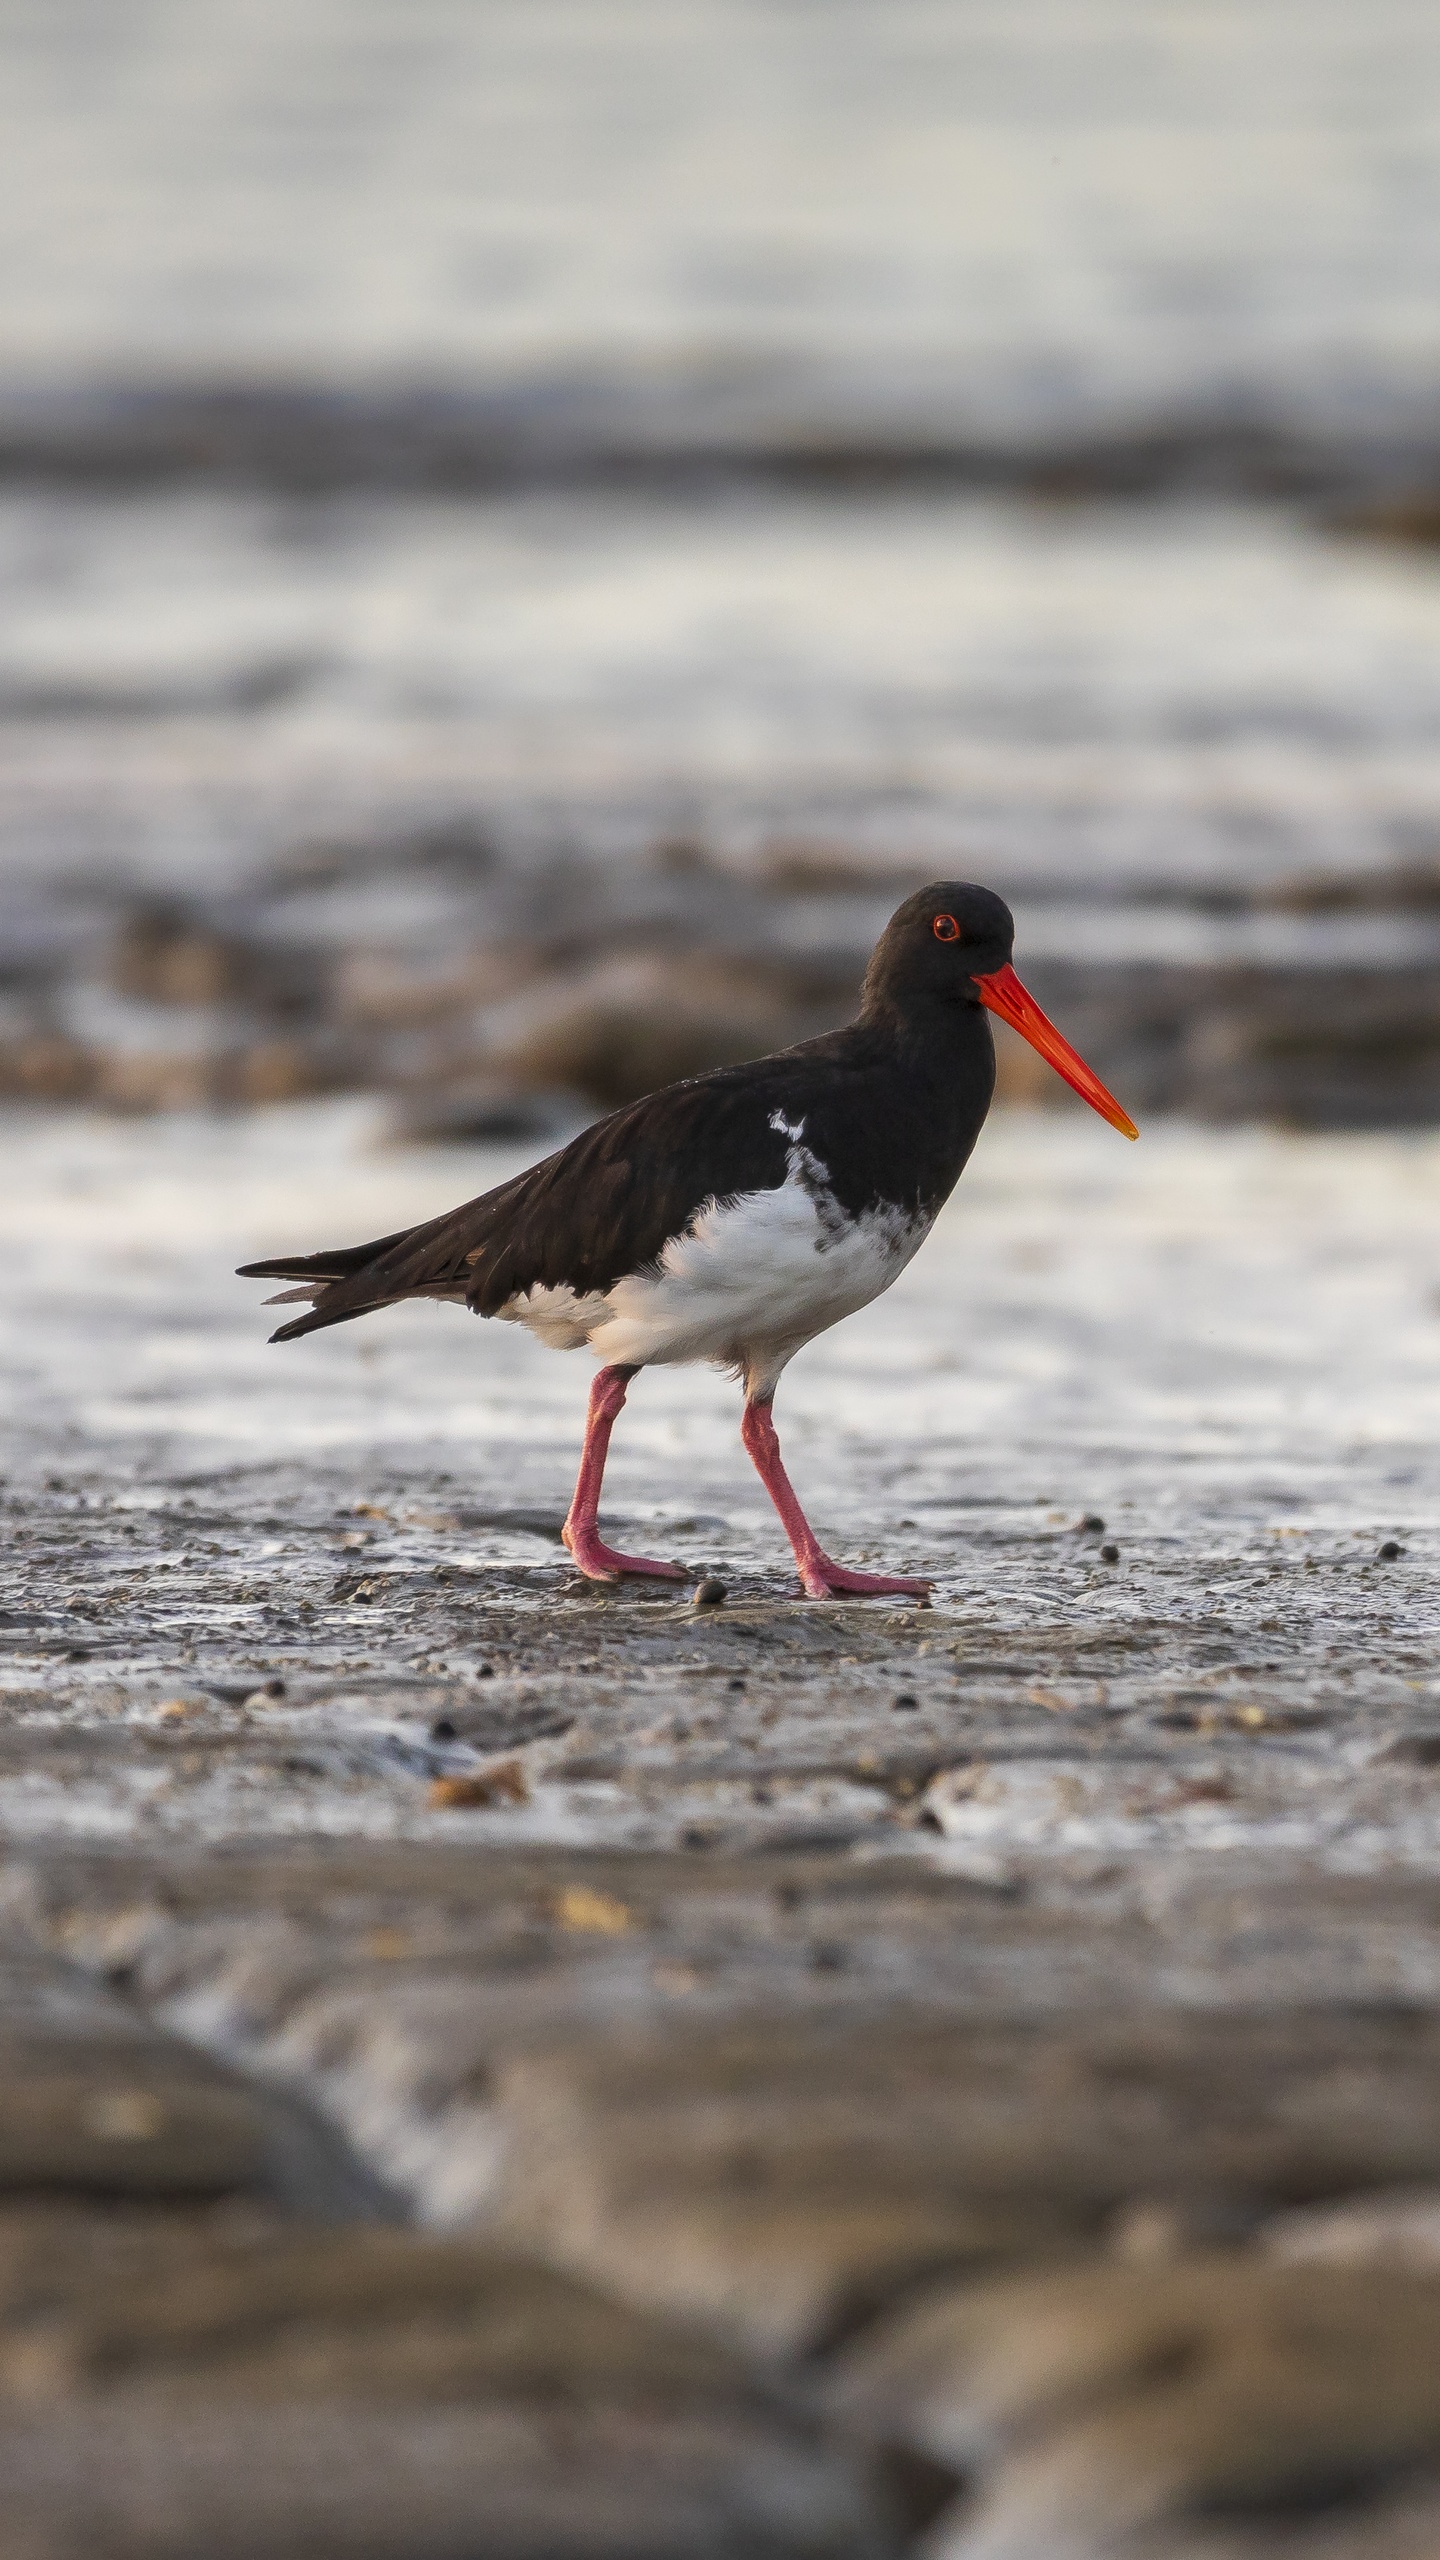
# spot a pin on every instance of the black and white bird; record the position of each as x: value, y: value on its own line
x: 733, y: 1217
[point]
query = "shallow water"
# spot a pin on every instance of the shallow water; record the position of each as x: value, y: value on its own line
x: 720, y: 213
x: 589, y: 427
x: 1221, y: 1342
x: 1187, y: 701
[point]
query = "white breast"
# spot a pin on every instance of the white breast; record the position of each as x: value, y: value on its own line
x: 748, y: 1283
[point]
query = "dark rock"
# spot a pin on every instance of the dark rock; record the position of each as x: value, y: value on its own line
x: 46, y: 1066
x: 484, y: 1112
x: 169, y: 953
x: 1404, y: 888
x: 628, y: 1025
x: 507, y: 1724
x: 1409, y: 519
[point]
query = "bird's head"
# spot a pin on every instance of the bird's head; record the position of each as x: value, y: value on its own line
x: 951, y: 944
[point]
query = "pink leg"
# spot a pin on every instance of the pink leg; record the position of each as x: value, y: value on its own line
x: 596, y: 1561
x: 822, y: 1579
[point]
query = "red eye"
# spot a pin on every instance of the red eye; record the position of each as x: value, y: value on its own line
x: 946, y: 929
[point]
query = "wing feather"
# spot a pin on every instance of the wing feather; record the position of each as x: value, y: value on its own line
x: 603, y: 1206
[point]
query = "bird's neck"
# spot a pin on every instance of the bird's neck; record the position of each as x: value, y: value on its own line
x: 926, y: 1033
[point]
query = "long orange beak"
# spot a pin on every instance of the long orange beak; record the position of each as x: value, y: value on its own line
x: 1002, y: 993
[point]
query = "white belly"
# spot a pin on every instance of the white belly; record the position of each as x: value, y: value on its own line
x: 745, y: 1286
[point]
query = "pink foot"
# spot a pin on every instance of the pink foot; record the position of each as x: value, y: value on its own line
x: 596, y: 1561
x: 823, y: 1580
x: 819, y: 1578
x: 600, y: 1563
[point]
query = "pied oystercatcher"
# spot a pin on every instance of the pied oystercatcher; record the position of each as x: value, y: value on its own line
x: 734, y: 1216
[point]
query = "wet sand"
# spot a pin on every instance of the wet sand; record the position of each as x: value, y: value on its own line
x: 783, y: 1986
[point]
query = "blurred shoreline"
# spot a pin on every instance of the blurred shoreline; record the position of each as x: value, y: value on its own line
x: 525, y: 533
x: 696, y: 430
x: 526, y: 997
x: 514, y: 805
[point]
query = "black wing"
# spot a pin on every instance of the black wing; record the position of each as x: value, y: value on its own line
x: 603, y: 1206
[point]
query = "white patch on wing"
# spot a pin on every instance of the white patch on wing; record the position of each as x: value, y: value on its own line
x: 745, y: 1286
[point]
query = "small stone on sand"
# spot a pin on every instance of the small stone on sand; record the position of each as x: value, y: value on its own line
x: 505, y: 1783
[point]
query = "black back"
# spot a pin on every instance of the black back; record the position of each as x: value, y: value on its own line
x: 885, y: 1113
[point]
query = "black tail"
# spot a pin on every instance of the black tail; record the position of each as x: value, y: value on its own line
x: 321, y: 1276
x: 441, y: 1258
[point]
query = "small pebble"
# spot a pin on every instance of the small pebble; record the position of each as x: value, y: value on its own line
x: 123, y: 2115
x: 600, y: 1915
x: 486, y: 1671
x: 503, y: 1783
x: 907, y: 1699
x: 1092, y: 1523
x: 265, y: 1695
x: 1109, y: 1555
x: 708, y: 1594
x: 443, y: 1729
x: 1390, y: 1551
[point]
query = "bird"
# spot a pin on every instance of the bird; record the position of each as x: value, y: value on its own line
x: 730, y: 1218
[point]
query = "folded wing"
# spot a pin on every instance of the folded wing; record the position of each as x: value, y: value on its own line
x: 603, y: 1206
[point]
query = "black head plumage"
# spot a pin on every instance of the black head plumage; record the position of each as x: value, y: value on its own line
x: 935, y: 947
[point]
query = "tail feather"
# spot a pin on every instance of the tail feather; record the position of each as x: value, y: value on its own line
x: 338, y: 1264
x: 319, y: 1274
x: 320, y: 1315
x: 437, y: 1259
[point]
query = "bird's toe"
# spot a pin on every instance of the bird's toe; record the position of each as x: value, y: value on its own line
x: 826, y: 1581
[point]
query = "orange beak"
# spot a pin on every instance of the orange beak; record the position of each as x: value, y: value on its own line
x: 1002, y: 993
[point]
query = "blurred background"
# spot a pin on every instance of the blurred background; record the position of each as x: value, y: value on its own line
x: 528, y: 524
